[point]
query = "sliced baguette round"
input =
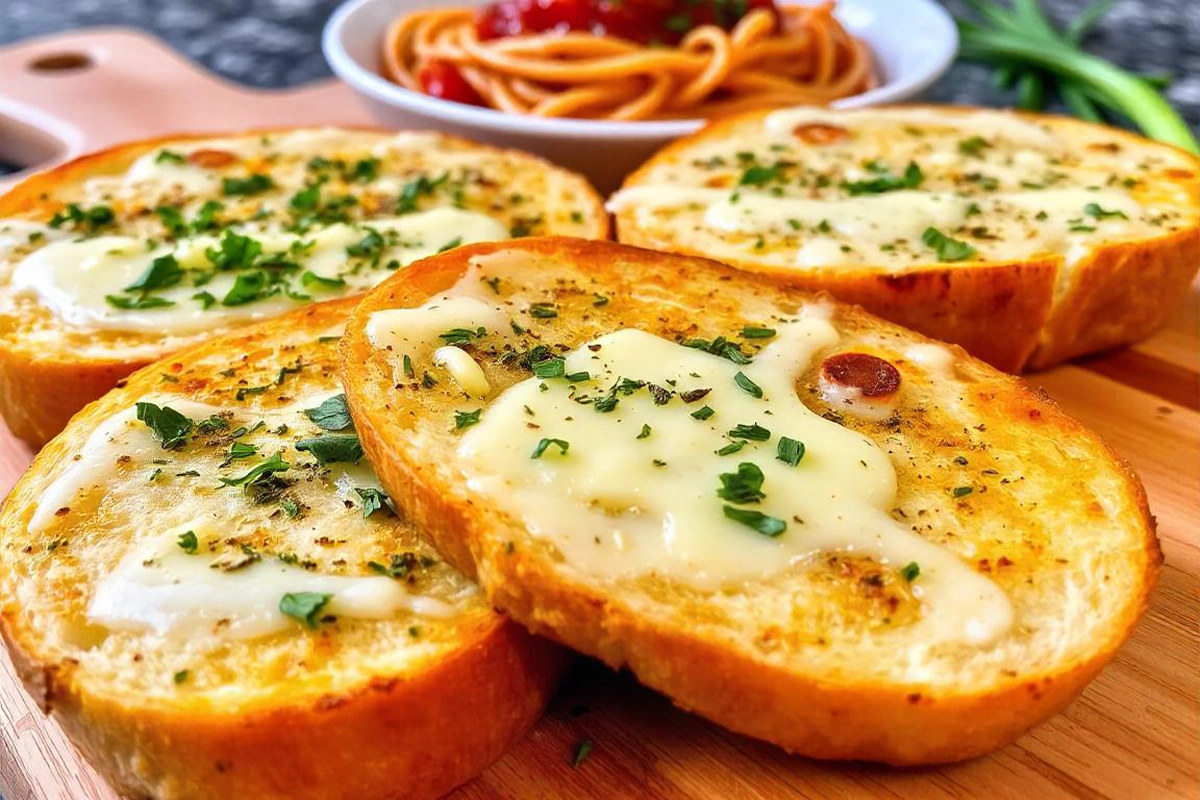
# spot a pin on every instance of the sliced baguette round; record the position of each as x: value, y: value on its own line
x: 57, y: 354
x: 409, y: 704
x: 1084, y: 237
x: 825, y: 657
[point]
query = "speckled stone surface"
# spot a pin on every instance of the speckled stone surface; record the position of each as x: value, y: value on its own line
x: 276, y: 43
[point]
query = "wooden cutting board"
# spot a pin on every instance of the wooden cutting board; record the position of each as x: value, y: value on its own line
x: 1134, y: 733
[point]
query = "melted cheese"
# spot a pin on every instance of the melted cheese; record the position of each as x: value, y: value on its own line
x: 216, y: 593
x: 464, y: 369
x: 1008, y: 187
x: 74, y: 278
x: 934, y: 358
x: 1000, y: 124
x: 623, y: 503
x: 121, y: 435
x: 159, y: 588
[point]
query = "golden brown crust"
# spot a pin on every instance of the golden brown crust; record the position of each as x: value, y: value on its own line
x: 39, y: 389
x: 379, y: 736
x: 1005, y: 313
x: 802, y: 709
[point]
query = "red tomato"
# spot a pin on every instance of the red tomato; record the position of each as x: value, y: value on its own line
x: 643, y: 21
x: 441, y: 79
x: 514, y: 17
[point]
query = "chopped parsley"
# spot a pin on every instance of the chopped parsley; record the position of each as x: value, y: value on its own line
x: 764, y: 524
x: 750, y: 332
x: 1094, y: 210
x: 961, y: 491
x: 415, y: 189
x: 973, y: 145
x: 88, y: 220
x: 703, y: 413
x: 748, y: 386
x: 465, y: 419
x: 553, y: 367
x: 719, y: 346
x: 450, y: 245
x: 742, y: 487
x: 730, y: 448
x: 543, y: 311
x: 333, y: 448
x: 162, y: 273
x: 910, y: 571
x: 181, y: 676
x: 332, y: 415
x: 759, y: 175
x: 260, y: 473
x: 947, y: 249
x: 646, y: 430
x: 374, y: 500
x: 582, y: 751
x: 188, y: 542
x: 169, y: 157
x: 789, y: 451
x: 544, y: 444
x: 752, y: 432
x: 885, y: 180
x: 247, y: 287
x: 460, y: 336
x: 304, y: 606
x: 246, y: 187
x: 168, y: 426
x: 137, y: 303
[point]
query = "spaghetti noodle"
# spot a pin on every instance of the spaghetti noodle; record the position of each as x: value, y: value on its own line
x: 802, y: 57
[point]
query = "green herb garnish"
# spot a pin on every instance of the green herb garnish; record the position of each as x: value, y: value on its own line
x: 246, y: 187
x: 742, y: 487
x: 188, y: 542
x: 465, y: 419
x: 910, y: 571
x: 542, y: 446
x: 766, y: 525
x: 332, y: 415
x: 304, y: 606
x: 374, y: 500
x: 947, y: 249
x: 748, y: 386
x: 169, y: 426
x: 333, y: 448
x: 789, y: 451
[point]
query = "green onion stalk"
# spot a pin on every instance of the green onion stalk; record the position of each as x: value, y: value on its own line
x: 1029, y: 52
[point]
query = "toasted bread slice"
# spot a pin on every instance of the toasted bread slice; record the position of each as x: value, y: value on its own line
x: 1027, y: 239
x: 804, y: 523
x: 144, y: 592
x: 119, y: 258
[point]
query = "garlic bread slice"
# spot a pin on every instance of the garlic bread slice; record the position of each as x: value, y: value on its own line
x: 800, y: 521
x: 204, y: 583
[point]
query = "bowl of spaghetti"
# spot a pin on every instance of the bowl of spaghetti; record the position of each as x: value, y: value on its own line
x: 598, y: 85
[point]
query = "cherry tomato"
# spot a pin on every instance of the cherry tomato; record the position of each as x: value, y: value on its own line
x: 442, y: 79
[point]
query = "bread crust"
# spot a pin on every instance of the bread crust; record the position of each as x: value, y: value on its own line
x: 804, y: 711
x: 382, y: 736
x: 1011, y: 314
x: 41, y: 389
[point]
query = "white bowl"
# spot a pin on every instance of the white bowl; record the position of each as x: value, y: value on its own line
x: 913, y: 42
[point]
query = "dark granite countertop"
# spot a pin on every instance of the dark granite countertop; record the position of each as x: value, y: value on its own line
x: 276, y: 43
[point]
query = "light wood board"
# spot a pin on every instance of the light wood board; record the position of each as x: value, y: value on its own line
x: 1134, y: 733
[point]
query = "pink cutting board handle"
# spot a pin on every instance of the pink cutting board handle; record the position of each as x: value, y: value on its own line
x: 134, y: 86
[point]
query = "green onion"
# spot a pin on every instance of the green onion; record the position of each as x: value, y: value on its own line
x: 1023, y: 45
